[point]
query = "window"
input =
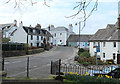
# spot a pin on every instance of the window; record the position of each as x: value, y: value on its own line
x: 31, y: 37
x: 114, y: 44
x: 60, y: 40
x: 60, y: 34
x: 113, y: 56
x: 31, y: 44
x: 103, y: 44
x: 98, y: 43
x: 55, y: 34
x: 41, y: 37
x: 94, y: 44
x: 37, y: 37
x: 103, y: 55
x: 37, y: 44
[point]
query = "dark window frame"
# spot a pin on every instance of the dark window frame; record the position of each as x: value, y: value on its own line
x: 114, y: 44
x: 103, y: 55
x: 113, y: 56
x: 31, y: 37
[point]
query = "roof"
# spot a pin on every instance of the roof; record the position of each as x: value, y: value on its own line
x: 39, y: 31
x: 75, y: 38
x: 110, y: 33
x: 46, y: 33
x: 3, y: 26
x: 60, y: 28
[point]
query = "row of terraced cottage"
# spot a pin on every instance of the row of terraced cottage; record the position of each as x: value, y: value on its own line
x: 106, y: 39
x: 105, y: 42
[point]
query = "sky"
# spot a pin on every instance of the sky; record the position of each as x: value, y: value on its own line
x: 107, y: 13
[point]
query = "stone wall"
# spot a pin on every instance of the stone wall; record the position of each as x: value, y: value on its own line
x: 21, y: 52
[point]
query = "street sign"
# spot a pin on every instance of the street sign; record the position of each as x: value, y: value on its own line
x: 98, y: 48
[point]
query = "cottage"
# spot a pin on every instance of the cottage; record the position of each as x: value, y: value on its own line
x: 33, y: 36
x: 74, y: 41
x: 106, y: 43
x: 8, y: 29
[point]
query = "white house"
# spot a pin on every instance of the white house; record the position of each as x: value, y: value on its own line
x: 34, y: 36
x: 108, y: 42
x: 8, y: 29
x: 60, y: 34
x: 83, y: 39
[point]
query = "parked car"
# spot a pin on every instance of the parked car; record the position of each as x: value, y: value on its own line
x: 114, y: 73
x: 104, y: 71
x: 61, y: 44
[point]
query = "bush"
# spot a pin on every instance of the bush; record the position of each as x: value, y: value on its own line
x: 85, y: 54
x: 81, y: 50
x: 76, y: 58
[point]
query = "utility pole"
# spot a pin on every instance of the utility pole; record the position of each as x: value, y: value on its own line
x: 79, y: 33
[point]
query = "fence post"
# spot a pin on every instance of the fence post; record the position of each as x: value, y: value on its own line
x: 59, y: 66
x: 3, y: 64
x: 51, y: 67
x: 28, y: 67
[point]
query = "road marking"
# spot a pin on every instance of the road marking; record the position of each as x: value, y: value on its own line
x: 16, y: 62
x: 7, y: 62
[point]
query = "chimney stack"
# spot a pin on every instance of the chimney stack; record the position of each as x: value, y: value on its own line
x: 15, y: 22
x: 118, y: 23
x: 21, y: 24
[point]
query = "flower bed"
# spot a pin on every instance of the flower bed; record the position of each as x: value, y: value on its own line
x: 78, y: 79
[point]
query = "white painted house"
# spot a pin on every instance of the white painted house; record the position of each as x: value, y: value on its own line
x: 34, y: 36
x: 108, y: 40
x: 8, y: 29
x: 60, y: 34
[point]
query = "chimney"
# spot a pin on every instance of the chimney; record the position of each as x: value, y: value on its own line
x: 21, y: 24
x: 15, y: 22
x: 70, y: 28
x: 38, y: 26
x: 118, y: 23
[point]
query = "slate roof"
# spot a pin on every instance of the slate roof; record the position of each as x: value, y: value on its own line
x: 3, y: 26
x: 75, y: 38
x: 60, y: 28
x: 39, y: 31
x: 110, y: 33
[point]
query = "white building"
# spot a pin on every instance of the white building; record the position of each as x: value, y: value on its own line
x: 76, y: 40
x: 8, y: 29
x: 34, y: 36
x: 60, y: 34
x: 108, y: 40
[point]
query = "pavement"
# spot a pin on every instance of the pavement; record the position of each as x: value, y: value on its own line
x: 39, y: 66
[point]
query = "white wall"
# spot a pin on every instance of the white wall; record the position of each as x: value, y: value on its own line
x: 108, y: 50
x: 59, y: 37
x: 19, y: 36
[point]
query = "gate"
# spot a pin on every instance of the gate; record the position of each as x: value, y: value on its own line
x: 55, y: 67
x: 118, y: 58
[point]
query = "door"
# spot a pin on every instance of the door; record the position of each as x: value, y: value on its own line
x: 118, y: 58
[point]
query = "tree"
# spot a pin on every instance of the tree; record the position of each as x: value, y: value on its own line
x: 81, y: 8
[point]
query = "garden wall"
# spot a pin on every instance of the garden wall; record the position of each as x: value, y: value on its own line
x: 21, y: 52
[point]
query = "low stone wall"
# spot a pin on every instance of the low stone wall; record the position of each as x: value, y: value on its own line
x: 34, y: 51
x: 21, y: 52
x: 13, y: 53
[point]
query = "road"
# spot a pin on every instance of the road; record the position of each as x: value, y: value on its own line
x: 39, y: 63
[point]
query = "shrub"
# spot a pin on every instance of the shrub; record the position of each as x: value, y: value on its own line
x: 85, y: 54
x: 76, y: 58
x: 81, y: 50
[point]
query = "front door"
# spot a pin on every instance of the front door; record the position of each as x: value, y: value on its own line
x: 118, y: 58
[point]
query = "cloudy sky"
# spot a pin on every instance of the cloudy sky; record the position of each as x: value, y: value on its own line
x: 106, y: 13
